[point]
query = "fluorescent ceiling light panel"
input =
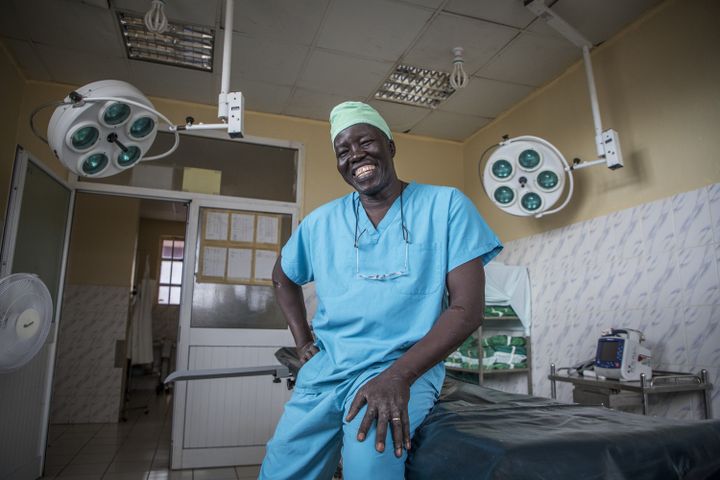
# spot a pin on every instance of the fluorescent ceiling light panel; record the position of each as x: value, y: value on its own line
x: 188, y: 46
x: 420, y: 87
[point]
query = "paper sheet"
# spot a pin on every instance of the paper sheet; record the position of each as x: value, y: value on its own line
x: 239, y: 265
x: 267, y: 229
x: 216, y: 226
x: 242, y: 227
x: 214, y: 262
x: 264, y: 263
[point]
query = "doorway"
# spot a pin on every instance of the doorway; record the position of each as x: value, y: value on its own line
x: 112, y: 332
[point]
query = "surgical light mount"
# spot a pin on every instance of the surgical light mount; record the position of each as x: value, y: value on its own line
x: 526, y: 175
x: 108, y: 126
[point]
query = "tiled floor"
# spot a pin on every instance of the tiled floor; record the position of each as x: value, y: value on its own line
x: 136, y: 450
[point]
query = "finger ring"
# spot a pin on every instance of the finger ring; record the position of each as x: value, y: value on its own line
x: 395, y: 419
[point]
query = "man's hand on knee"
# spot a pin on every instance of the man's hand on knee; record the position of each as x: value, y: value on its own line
x: 386, y: 397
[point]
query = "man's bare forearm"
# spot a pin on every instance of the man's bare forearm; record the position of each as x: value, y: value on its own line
x: 457, y: 323
x: 292, y: 303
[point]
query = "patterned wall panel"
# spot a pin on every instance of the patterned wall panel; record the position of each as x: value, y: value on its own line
x: 654, y: 267
x: 87, y: 385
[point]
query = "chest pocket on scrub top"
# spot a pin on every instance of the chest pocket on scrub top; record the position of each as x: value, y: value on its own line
x: 424, y: 275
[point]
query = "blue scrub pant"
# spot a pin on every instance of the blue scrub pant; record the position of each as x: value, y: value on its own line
x: 312, y: 433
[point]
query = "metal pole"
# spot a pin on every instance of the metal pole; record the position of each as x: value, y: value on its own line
x: 227, y: 52
x: 644, y: 395
x: 553, y: 391
x: 706, y: 394
x: 593, y: 102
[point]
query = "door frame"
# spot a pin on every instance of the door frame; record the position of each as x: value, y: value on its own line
x: 7, y: 252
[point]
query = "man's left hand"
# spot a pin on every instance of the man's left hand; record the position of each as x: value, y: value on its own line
x: 386, y: 397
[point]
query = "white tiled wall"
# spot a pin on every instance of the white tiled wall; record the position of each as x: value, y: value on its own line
x: 87, y: 385
x: 654, y: 267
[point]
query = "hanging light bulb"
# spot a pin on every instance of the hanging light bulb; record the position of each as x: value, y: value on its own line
x: 155, y: 19
x: 458, y: 77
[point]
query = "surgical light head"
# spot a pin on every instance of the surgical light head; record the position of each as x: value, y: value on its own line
x: 526, y: 176
x: 103, y: 128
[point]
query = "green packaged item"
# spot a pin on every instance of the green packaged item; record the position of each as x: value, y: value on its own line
x: 503, y: 340
x: 495, y: 311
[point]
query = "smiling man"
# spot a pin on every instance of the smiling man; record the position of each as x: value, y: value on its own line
x: 399, y: 273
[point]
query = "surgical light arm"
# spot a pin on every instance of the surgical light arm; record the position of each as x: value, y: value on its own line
x: 607, y: 143
x: 231, y: 105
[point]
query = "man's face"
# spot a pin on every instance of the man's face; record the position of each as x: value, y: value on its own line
x: 365, y: 158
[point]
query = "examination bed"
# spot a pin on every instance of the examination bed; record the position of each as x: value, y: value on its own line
x: 475, y: 432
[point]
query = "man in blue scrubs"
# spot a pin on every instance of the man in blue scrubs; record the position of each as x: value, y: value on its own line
x: 398, y: 270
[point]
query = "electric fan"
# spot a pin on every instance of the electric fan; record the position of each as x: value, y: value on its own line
x: 25, y: 317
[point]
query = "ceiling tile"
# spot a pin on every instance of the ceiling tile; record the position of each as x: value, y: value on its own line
x: 263, y: 96
x: 73, y: 26
x: 531, y: 59
x: 343, y: 75
x: 78, y: 68
x: 372, y: 28
x: 287, y: 20
x: 174, y: 82
x: 308, y: 104
x: 262, y: 60
x: 597, y: 20
x: 12, y: 24
x: 507, y: 12
x: 540, y: 26
x: 400, y: 118
x: 29, y: 61
x: 480, y: 40
x: 451, y: 126
x: 487, y: 98
x: 183, y: 11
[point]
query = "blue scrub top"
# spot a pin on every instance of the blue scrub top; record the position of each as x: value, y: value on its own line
x: 361, y: 324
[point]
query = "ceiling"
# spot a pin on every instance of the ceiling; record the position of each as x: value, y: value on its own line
x: 301, y: 57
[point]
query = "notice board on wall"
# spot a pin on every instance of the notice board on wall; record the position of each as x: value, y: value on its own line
x: 238, y: 247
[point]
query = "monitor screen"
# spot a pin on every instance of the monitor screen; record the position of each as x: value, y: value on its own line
x: 607, y: 350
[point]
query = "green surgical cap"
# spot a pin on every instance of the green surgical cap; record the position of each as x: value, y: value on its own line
x: 348, y: 114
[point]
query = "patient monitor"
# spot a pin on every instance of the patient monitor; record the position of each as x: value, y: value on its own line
x: 621, y: 356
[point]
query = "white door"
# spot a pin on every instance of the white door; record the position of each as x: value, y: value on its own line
x: 35, y: 241
x: 229, y: 318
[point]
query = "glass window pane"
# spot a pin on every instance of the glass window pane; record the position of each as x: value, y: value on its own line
x: 174, y: 295
x: 163, y: 294
x: 178, y: 247
x: 176, y: 277
x: 268, y: 172
x: 167, y: 249
x: 165, y: 271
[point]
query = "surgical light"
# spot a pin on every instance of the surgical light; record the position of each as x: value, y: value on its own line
x: 108, y: 126
x: 530, y: 168
x: 525, y: 176
x: 103, y: 128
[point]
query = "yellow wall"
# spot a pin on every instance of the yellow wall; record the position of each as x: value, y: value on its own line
x: 11, y: 87
x: 658, y: 84
x: 103, y: 240
x: 420, y: 159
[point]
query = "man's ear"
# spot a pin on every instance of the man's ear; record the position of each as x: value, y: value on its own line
x: 392, y: 148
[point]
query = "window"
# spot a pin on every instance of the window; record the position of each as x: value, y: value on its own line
x: 171, y: 268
